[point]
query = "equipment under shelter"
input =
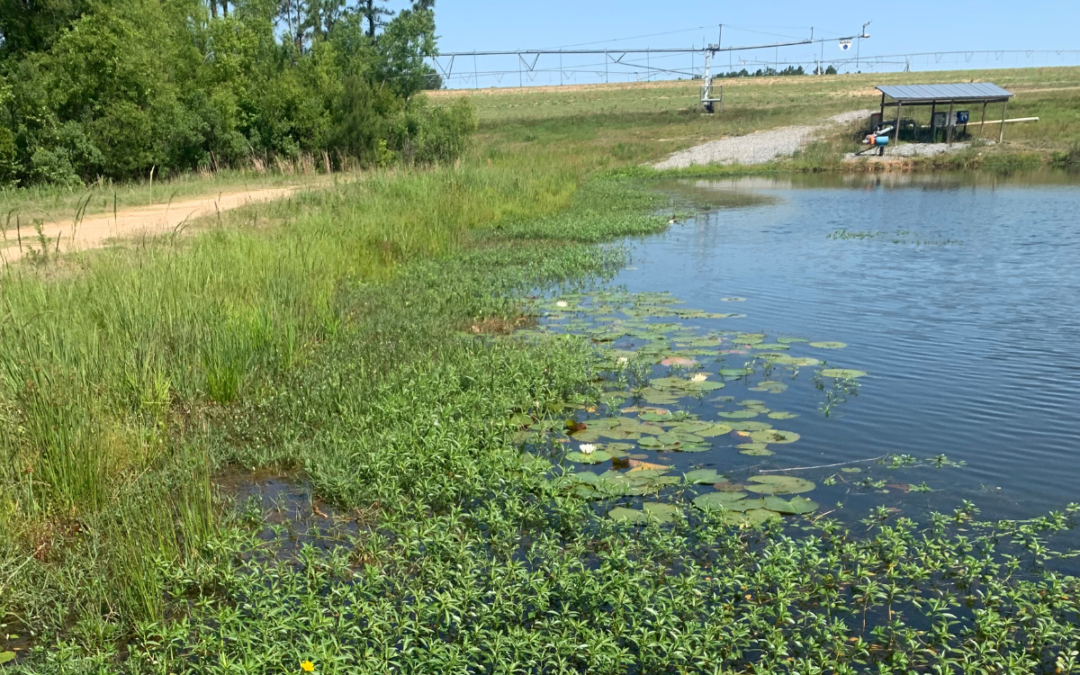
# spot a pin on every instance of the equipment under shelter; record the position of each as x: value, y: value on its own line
x: 956, y: 98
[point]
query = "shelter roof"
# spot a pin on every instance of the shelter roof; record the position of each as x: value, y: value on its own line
x: 975, y: 91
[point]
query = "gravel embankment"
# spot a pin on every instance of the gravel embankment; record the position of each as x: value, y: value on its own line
x: 756, y: 148
x: 916, y: 150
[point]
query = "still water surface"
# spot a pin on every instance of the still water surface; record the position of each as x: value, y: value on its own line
x: 971, y: 338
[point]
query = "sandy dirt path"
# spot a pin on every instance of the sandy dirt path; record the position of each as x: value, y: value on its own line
x: 98, y: 230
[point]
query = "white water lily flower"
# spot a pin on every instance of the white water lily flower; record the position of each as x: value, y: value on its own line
x: 587, y: 448
x: 700, y: 377
x: 562, y: 303
x: 622, y: 359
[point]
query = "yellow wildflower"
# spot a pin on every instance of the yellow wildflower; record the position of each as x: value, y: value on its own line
x: 307, y: 666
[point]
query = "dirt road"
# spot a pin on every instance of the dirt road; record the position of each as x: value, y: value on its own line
x: 756, y: 148
x: 98, y: 230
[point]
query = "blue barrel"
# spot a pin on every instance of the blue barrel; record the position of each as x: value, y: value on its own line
x: 881, y: 140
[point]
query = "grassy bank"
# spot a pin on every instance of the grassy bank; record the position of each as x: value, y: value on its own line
x: 320, y: 341
x: 434, y: 545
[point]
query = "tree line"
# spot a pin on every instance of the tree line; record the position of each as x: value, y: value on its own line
x: 118, y: 88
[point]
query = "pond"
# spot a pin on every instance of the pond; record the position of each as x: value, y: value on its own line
x: 972, y: 336
x: 957, y: 295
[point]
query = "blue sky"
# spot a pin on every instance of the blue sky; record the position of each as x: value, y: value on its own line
x: 897, y: 28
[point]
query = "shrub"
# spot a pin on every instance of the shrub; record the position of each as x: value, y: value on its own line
x: 8, y: 166
x: 428, y: 135
x: 121, y: 86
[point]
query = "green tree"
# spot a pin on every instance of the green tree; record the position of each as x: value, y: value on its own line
x: 120, y: 87
x: 404, y: 44
x: 33, y: 25
x: 374, y: 15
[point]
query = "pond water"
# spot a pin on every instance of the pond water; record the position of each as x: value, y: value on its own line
x: 958, y: 295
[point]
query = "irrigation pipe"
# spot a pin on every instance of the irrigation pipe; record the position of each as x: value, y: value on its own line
x: 824, y: 466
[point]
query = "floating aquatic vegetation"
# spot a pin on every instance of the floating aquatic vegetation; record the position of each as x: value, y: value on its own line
x: 779, y: 484
x: 843, y: 373
x: 652, y: 373
x: 895, y: 237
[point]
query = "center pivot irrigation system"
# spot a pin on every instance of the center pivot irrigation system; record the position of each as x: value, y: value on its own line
x: 711, y: 100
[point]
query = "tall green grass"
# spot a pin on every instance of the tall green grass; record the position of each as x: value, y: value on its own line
x: 115, y: 365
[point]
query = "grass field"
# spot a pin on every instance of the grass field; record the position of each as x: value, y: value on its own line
x: 319, y: 340
x: 646, y: 122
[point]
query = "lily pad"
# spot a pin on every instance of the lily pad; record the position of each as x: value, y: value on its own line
x: 770, y: 387
x: 658, y: 397
x: 668, y: 383
x: 762, y: 451
x: 654, y: 417
x: 779, y: 485
x: 717, y: 501
x: 593, y: 458
x: 705, y: 386
x: 796, y: 506
x: 800, y: 361
x: 702, y: 477
x: 587, y: 435
x: 622, y: 514
x: 774, y: 436
x: 759, y: 516
x: 669, y: 439
x: 790, y: 340
x: 750, y: 426
x: 828, y: 345
x: 713, y: 430
x: 843, y: 373
x: 739, y: 415
x: 735, y: 372
x: 782, y: 415
x: 745, y: 504
x: 665, y: 513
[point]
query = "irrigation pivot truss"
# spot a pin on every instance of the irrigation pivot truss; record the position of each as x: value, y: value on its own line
x: 528, y: 59
x: 524, y: 67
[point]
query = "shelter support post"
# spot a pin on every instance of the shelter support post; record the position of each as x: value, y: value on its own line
x: 881, y: 118
x: 949, y: 124
x: 1001, y: 134
x: 983, y: 125
x: 899, y: 109
x: 933, y: 125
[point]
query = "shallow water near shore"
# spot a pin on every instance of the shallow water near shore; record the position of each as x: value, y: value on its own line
x: 958, y: 294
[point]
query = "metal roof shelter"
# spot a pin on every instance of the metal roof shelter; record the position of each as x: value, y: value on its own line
x: 945, y: 94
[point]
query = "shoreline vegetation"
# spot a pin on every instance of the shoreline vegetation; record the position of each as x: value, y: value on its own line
x: 353, y: 341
